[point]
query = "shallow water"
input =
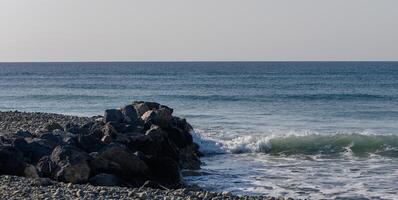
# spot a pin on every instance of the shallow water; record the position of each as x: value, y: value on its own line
x: 307, y: 129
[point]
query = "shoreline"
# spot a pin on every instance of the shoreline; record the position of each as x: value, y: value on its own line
x: 14, y: 187
x: 13, y: 121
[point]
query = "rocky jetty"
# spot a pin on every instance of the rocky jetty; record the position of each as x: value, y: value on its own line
x: 140, y: 144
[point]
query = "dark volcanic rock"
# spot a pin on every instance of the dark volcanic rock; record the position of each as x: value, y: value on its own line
x: 46, y: 167
x: 33, y: 149
x: 143, y: 143
x: 165, y: 170
x: 113, y: 115
x: 130, y: 114
x: 51, y: 139
x: 140, y: 108
x: 165, y: 147
x: 72, y: 128
x: 89, y: 143
x: 127, y: 164
x: 11, y: 161
x: 161, y: 117
x: 72, y: 165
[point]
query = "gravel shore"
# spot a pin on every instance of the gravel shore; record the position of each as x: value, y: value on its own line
x: 12, y: 121
x: 13, y: 187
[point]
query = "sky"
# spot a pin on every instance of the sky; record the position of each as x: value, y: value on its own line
x: 198, y: 30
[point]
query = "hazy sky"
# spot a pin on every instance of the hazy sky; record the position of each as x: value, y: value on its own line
x: 174, y: 30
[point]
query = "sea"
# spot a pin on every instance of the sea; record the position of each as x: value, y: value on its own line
x: 316, y: 130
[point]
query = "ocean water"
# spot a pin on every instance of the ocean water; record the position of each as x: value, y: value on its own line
x: 319, y: 130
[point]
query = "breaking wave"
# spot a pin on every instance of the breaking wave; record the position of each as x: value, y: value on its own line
x: 356, y: 144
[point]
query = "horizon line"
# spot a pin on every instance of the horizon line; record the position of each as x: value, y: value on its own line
x: 198, y: 61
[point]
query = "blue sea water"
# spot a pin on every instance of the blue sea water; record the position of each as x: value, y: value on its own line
x: 319, y: 130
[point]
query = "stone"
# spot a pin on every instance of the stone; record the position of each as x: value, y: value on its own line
x: 23, y: 134
x: 101, y: 165
x: 89, y: 143
x: 31, y: 172
x: 12, y: 161
x: 42, y: 182
x: 143, y: 143
x: 179, y: 137
x: 107, y: 139
x: 140, y: 108
x: 130, y: 165
x: 182, y: 124
x: 113, y: 115
x: 130, y: 114
x: 165, y: 148
x: 122, y: 139
x: 92, y: 128
x: 188, y: 158
x: 79, y: 193
x: 72, y: 164
x: 46, y: 167
x: 117, y: 126
x: 51, y: 140
x: 166, y: 171
x: 50, y: 126
x: 106, y: 180
x: 72, y: 128
x: 161, y: 117
x: 108, y: 129
x: 33, y: 149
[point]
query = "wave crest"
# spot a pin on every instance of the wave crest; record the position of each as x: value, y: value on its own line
x: 311, y: 144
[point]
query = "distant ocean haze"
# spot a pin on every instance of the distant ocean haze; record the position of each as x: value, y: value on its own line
x: 277, y: 128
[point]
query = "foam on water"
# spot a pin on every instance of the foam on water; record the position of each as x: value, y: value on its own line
x: 357, y: 144
x: 301, y: 164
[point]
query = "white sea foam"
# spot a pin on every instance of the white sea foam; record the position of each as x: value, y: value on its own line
x: 305, y: 143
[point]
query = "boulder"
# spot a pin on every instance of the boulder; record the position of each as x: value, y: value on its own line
x: 31, y: 172
x: 92, y: 128
x: 46, y: 167
x: 189, y: 159
x: 109, y: 130
x: 51, y: 140
x: 101, y: 165
x: 128, y: 164
x: 180, y: 137
x: 166, y: 171
x: 130, y: 114
x: 72, y: 128
x: 182, y: 124
x: 11, y: 161
x: 106, y: 180
x: 106, y: 139
x: 161, y: 117
x: 150, y: 105
x: 165, y: 146
x: 118, y: 127
x: 33, y: 149
x: 72, y: 164
x: 89, y: 143
x: 113, y: 115
x: 140, y: 108
x: 143, y: 143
